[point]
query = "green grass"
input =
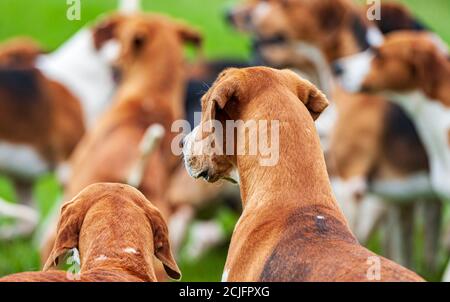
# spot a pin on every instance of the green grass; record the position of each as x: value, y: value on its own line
x: 45, y: 20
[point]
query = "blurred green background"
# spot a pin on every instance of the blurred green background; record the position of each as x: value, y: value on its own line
x: 45, y: 20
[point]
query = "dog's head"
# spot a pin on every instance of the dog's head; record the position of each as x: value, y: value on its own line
x: 73, y: 216
x: 19, y: 53
x: 145, y: 38
x: 336, y: 27
x: 406, y: 61
x: 207, y: 150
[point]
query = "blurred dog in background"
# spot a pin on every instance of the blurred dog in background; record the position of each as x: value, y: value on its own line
x: 150, y: 94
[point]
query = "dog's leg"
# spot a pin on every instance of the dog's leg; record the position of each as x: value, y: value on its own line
x: 371, y: 212
x: 399, y: 233
x: 149, y: 143
x: 178, y: 226
x: 204, y: 236
x: 27, y: 218
x: 432, y: 228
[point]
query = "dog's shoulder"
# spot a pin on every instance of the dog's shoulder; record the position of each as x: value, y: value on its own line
x: 304, y: 228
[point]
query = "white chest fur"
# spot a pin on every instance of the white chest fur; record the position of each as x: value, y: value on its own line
x: 84, y: 71
x: 21, y: 160
x: 432, y: 120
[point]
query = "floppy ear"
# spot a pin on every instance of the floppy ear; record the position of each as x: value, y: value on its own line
x: 331, y: 14
x: 190, y: 35
x: 219, y: 95
x: 314, y: 100
x: 427, y: 66
x: 106, y: 30
x: 161, y: 241
x: 69, y: 227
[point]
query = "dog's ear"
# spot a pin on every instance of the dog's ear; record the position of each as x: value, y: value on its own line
x: 68, y: 230
x: 314, y: 100
x: 161, y: 241
x: 106, y: 30
x: 189, y: 34
x: 331, y: 14
x: 223, y: 90
x: 426, y: 68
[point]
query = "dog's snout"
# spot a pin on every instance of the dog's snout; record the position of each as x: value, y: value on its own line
x: 116, y: 74
x: 338, y: 70
x: 366, y: 89
x: 204, y: 174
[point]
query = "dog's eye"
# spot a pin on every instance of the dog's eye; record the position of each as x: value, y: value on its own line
x: 139, y: 42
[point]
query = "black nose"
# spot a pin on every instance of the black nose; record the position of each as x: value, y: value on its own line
x: 338, y: 70
x: 204, y: 174
x: 116, y: 74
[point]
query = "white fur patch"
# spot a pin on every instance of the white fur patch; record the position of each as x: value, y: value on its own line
x: 401, y: 190
x: 189, y: 151
x: 345, y: 191
x: 149, y: 143
x: 225, y: 275
x: 204, y: 235
x: 110, y: 51
x: 27, y: 218
x: 130, y: 250
x: 101, y: 258
x: 83, y: 70
x: 75, y: 256
x: 178, y: 225
x: 375, y: 36
x: 234, y: 174
x: 129, y: 6
x: 21, y: 160
x: 261, y: 11
x: 63, y: 172
x: 355, y: 69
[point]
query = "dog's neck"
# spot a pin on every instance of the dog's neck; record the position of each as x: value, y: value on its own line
x: 122, y: 246
x: 155, y: 83
x: 300, y: 177
x: 83, y: 70
x: 432, y: 119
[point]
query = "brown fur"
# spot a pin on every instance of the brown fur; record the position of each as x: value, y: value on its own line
x: 396, y: 16
x: 40, y: 113
x: 372, y: 139
x: 409, y: 61
x: 19, y: 53
x: 151, y: 92
x: 364, y: 140
x: 326, y: 23
x: 101, y: 222
x: 292, y: 191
